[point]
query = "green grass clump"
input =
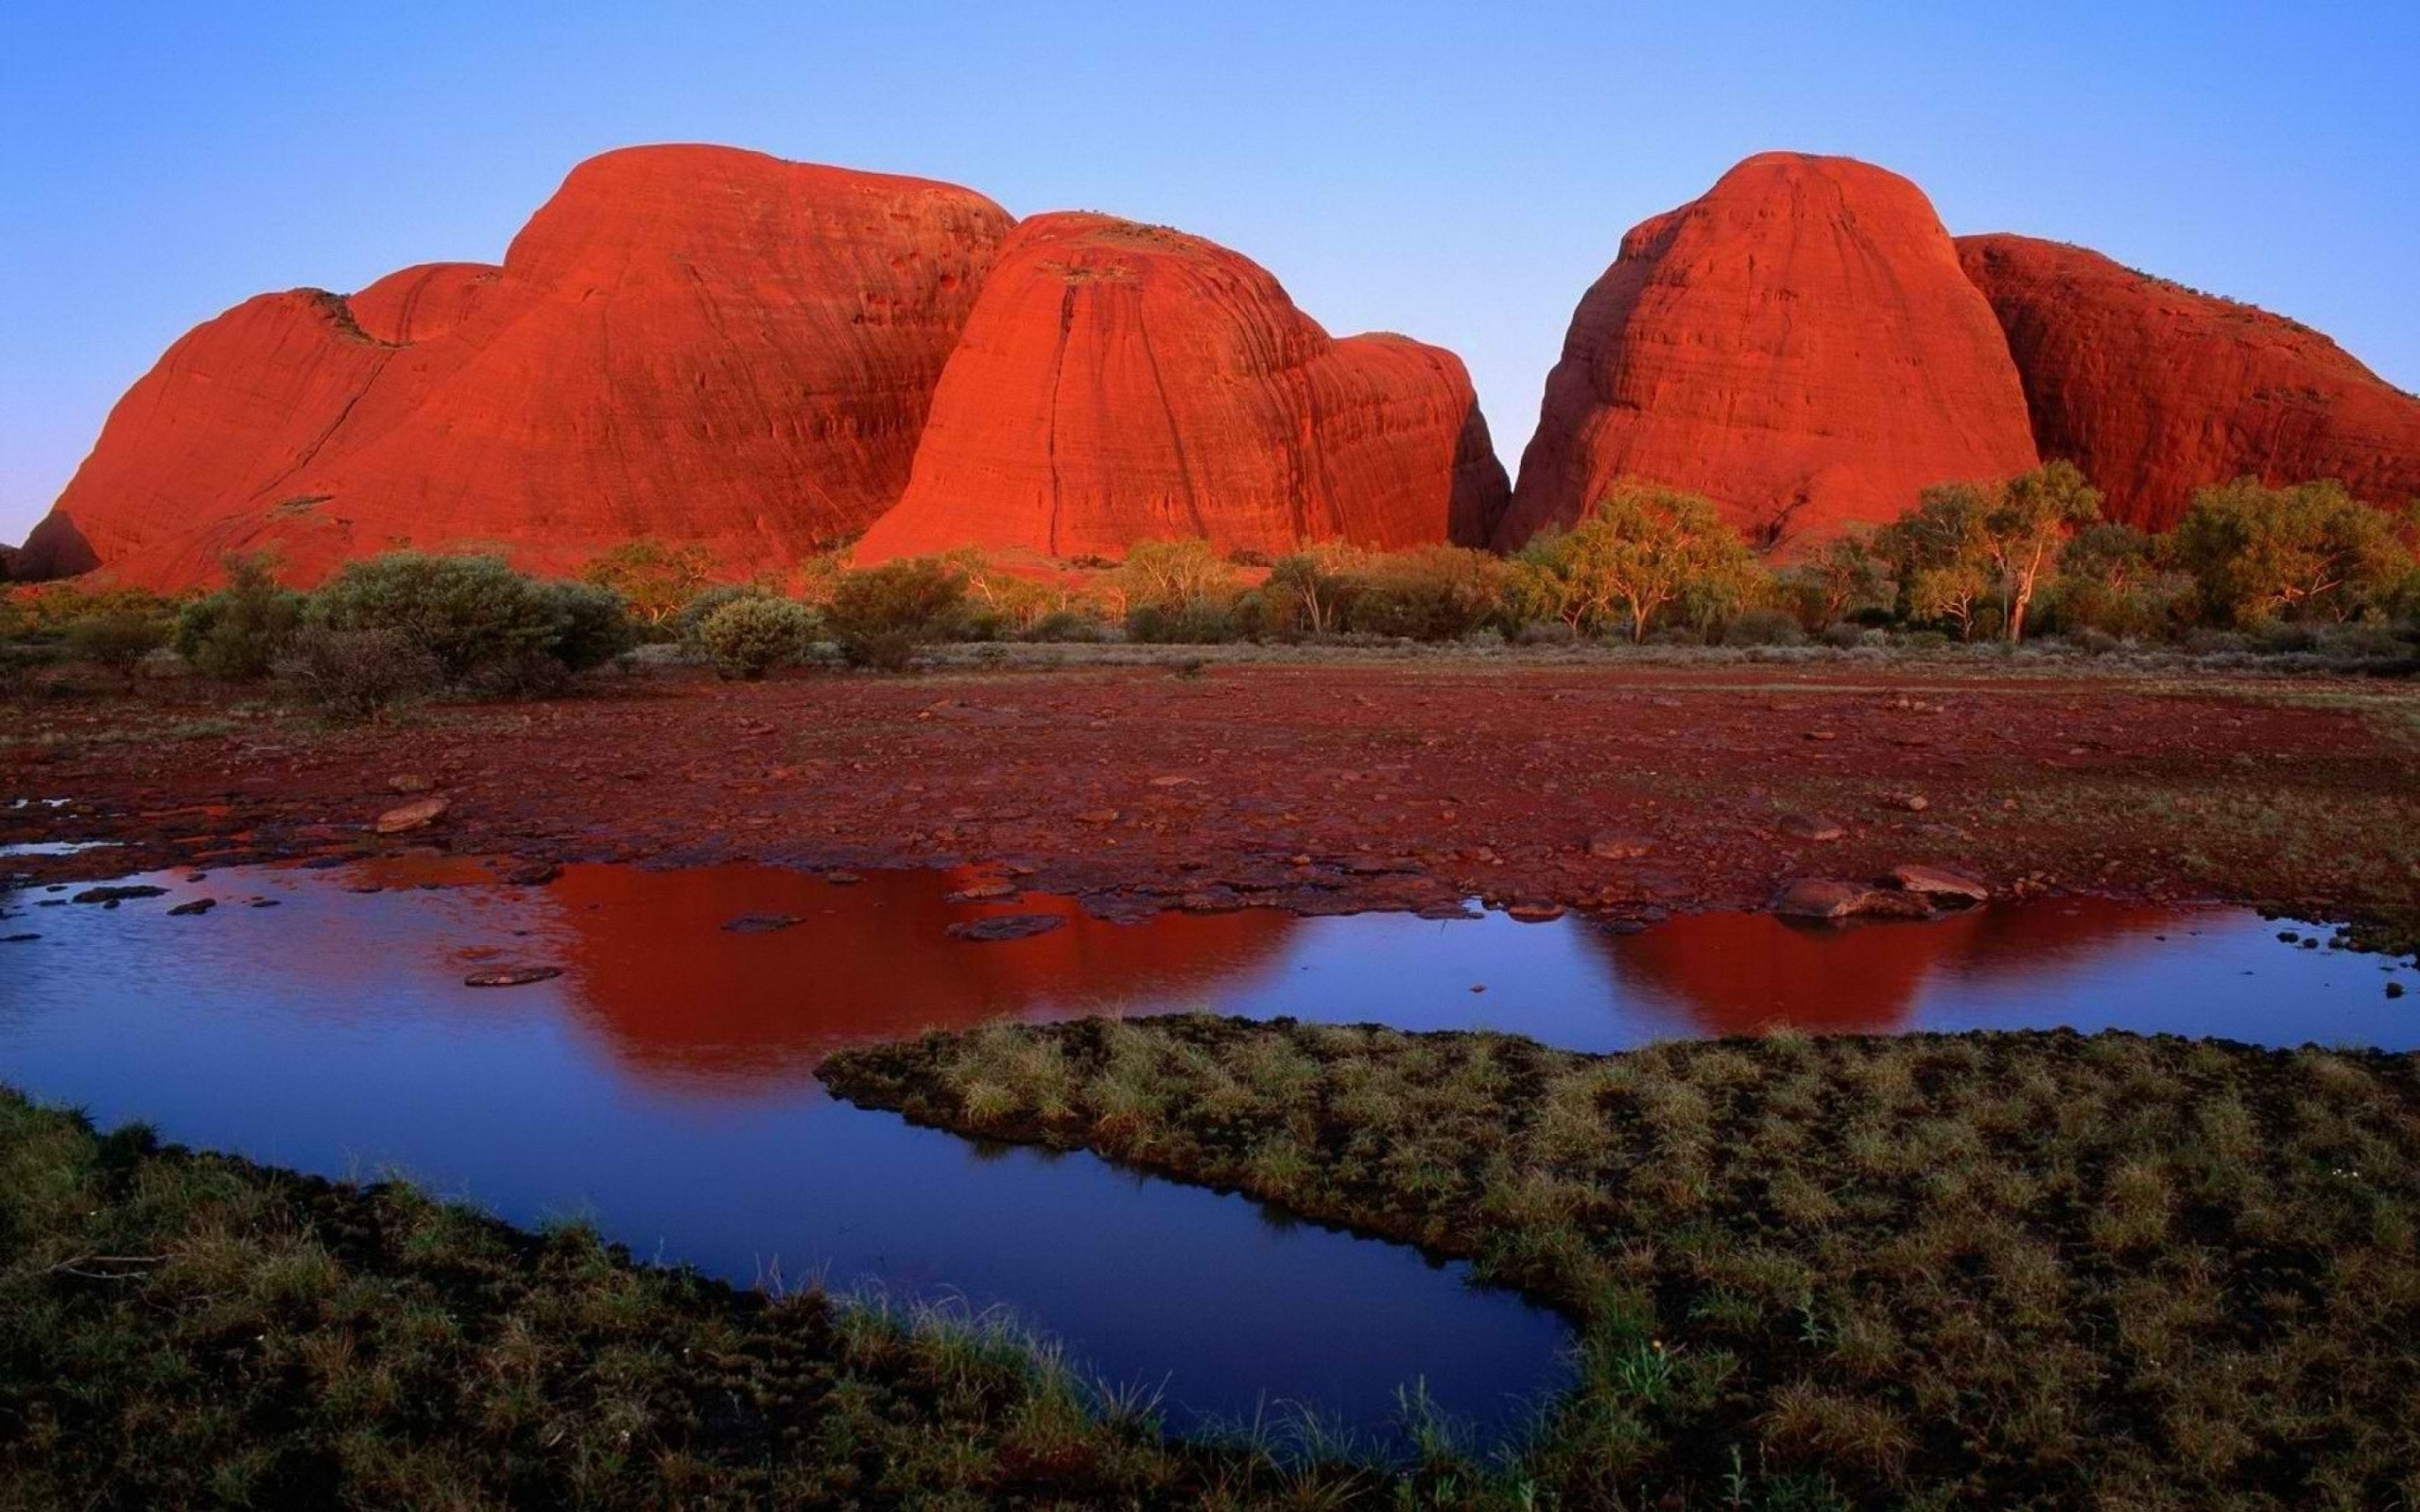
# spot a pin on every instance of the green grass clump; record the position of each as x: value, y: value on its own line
x: 1984, y: 1270
x: 191, y: 1330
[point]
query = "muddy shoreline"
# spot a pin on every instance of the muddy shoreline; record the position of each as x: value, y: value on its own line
x: 1315, y: 788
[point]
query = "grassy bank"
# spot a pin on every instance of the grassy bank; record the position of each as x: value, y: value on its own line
x: 190, y: 1329
x: 1930, y: 1271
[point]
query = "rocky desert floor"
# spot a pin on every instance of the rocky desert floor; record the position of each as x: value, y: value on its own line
x: 1319, y: 784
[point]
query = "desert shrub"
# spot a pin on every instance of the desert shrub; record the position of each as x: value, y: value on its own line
x: 655, y: 579
x: 1764, y: 627
x: 1073, y: 625
x: 692, y: 618
x: 1310, y: 592
x: 1845, y: 636
x: 1171, y: 574
x: 1201, y: 622
x: 748, y: 637
x: 881, y: 614
x: 356, y: 674
x: 593, y: 625
x: 1432, y: 594
x: 117, y: 642
x: 1643, y: 554
x: 2309, y: 552
x: 485, y: 627
x: 468, y: 613
x: 1545, y: 632
x: 238, y: 632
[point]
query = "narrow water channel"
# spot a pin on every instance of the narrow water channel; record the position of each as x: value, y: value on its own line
x: 663, y: 1084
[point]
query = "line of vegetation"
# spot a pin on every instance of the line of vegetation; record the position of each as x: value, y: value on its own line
x: 1976, y: 1270
x: 2304, y: 570
x: 179, y: 1329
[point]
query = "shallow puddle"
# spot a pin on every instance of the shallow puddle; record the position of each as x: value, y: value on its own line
x: 663, y: 1084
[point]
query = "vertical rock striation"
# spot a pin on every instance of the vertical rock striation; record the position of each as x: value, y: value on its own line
x: 1799, y: 345
x: 1120, y: 382
x: 2156, y: 390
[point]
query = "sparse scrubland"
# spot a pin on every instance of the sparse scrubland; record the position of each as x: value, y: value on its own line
x: 191, y: 1330
x: 2305, y: 572
x: 1988, y: 1270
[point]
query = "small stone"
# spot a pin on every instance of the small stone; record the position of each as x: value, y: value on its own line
x: 1006, y: 926
x: 21, y: 939
x: 843, y: 879
x: 1905, y: 802
x: 262, y: 902
x: 409, y: 782
x: 1822, y: 734
x: 1607, y: 845
x: 1098, y: 816
x: 411, y: 816
x: 1810, y: 827
x: 2393, y: 990
x: 981, y: 892
x: 1939, y: 885
x: 1173, y: 780
x: 1534, y: 912
x: 761, y: 923
x: 200, y: 905
x: 513, y: 976
x: 533, y: 874
x: 1212, y: 901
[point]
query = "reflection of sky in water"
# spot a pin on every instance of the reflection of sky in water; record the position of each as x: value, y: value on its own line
x: 333, y: 1032
x: 663, y: 1084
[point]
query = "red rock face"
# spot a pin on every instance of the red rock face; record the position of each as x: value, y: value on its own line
x: 1798, y: 346
x: 695, y: 343
x: 1119, y: 383
x: 2154, y: 390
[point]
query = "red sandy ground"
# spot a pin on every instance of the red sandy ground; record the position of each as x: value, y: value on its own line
x: 1320, y: 787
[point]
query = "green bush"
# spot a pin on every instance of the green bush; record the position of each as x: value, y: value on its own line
x: 1432, y: 594
x: 1764, y: 627
x: 692, y: 615
x: 880, y: 615
x: 356, y: 674
x: 1068, y: 625
x: 2311, y: 552
x: 238, y: 632
x: 748, y: 637
x: 484, y: 626
x: 117, y: 642
x: 1202, y: 622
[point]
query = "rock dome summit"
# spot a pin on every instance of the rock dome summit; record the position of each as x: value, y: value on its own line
x: 770, y: 360
x: 1798, y: 345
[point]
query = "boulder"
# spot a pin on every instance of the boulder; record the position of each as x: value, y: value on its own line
x: 1120, y: 383
x: 1939, y: 885
x: 2155, y: 389
x: 417, y: 815
x: 1831, y: 901
x: 695, y: 343
x: 1798, y: 346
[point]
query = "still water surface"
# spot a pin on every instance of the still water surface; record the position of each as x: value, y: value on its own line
x: 663, y: 1085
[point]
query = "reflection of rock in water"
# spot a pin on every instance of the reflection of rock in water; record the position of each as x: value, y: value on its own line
x: 678, y: 996
x: 1739, y: 973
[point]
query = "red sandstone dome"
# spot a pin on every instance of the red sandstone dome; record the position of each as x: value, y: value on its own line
x: 1120, y: 382
x: 691, y: 342
x: 1798, y: 346
x: 2156, y: 390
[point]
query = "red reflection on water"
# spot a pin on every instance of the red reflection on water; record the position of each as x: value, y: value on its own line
x: 1744, y: 973
x: 678, y: 997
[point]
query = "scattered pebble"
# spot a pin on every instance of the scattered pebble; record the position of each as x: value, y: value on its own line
x: 513, y: 976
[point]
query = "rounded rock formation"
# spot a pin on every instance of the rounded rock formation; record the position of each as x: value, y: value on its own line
x: 1119, y: 383
x: 695, y: 343
x: 2156, y: 390
x: 1798, y: 346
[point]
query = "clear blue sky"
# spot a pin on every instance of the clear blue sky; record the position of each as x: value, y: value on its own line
x: 1456, y: 171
